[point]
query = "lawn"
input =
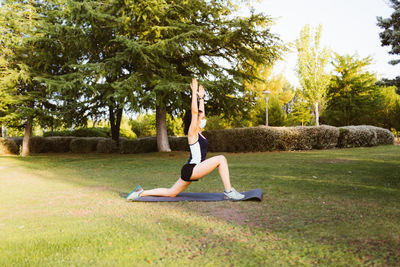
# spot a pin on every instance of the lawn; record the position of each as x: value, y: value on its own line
x: 325, y: 208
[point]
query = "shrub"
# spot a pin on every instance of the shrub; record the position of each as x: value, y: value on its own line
x: 384, y: 136
x: 356, y: 136
x: 17, y: 141
x: 60, y: 144
x: 8, y: 146
x: 316, y: 137
x: 263, y: 138
x: 106, y: 146
x: 178, y: 143
x: 243, y: 139
x: 140, y: 145
x: 40, y: 145
x: 91, y: 132
x: 84, y: 144
x: 259, y: 138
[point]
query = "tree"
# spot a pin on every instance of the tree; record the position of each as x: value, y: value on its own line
x: 79, y: 39
x: 142, y: 54
x: 299, y: 110
x: 24, y: 98
x: 388, y: 116
x: 353, y: 97
x: 202, y: 39
x: 311, y: 64
x: 390, y: 36
x: 281, y: 93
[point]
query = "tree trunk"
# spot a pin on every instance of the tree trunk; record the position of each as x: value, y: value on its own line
x: 161, y: 125
x: 316, y: 114
x: 1, y: 131
x: 27, y: 138
x: 115, y: 121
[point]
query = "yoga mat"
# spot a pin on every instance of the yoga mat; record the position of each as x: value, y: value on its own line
x: 255, y: 194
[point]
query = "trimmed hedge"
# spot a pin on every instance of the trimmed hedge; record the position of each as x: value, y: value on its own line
x: 140, y: 145
x: 254, y: 139
x: 90, y: 132
x: 384, y: 136
x: 178, y: 143
x: 364, y: 135
x: 84, y: 144
x: 106, y: 146
x: 8, y: 147
x: 264, y: 138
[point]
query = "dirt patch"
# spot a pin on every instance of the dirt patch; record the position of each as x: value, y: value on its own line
x: 234, y: 214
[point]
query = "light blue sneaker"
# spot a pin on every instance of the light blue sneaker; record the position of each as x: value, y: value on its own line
x: 135, y: 194
x: 233, y: 194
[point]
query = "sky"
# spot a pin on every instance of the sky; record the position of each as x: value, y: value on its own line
x: 348, y: 27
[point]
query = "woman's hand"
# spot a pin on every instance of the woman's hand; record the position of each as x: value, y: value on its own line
x: 193, y: 85
x: 201, y: 91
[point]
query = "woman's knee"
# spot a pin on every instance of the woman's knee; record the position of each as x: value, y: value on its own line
x: 172, y: 192
x: 222, y: 159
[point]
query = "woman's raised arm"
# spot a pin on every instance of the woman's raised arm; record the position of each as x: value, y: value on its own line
x: 192, y: 134
x: 201, y: 97
x: 195, y: 109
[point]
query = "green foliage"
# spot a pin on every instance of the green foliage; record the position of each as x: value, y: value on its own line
x: 174, y: 126
x: 280, y: 95
x: 389, y: 112
x: 311, y: 64
x: 138, y: 55
x: 276, y: 115
x: 89, y: 132
x: 7, y: 146
x: 299, y: 111
x: 22, y: 96
x: 144, y: 125
x: 220, y: 122
x: 391, y: 30
x: 396, y: 117
x: 353, y: 96
x: 389, y: 37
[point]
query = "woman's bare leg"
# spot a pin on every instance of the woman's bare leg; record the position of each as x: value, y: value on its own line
x: 207, y: 166
x: 178, y: 187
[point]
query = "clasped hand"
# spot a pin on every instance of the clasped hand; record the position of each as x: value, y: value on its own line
x: 198, y: 89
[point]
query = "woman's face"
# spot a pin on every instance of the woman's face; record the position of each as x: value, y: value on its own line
x: 201, y: 116
x: 201, y: 121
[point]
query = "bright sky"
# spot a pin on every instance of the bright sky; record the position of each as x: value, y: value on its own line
x: 348, y: 27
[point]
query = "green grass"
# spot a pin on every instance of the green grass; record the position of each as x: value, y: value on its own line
x: 322, y: 208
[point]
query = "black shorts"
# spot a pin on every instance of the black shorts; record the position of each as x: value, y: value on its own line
x: 186, y: 172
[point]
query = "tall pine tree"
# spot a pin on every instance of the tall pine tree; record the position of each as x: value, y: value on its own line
x: 142, y: 55
x: 24, y: 98
x: 390, y: 36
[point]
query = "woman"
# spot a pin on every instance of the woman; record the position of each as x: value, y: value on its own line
x: 197, y: 167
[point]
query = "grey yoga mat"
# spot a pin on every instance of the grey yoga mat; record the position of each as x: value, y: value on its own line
x: 255, y: 194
